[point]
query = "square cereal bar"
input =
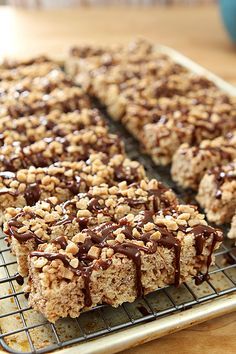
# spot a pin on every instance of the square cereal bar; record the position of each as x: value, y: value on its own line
x: 190, y: 163
x: 117, y: 262
x: 217, y: 193
x: 47, y: 220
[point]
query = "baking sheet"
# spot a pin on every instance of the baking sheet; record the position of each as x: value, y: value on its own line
x: 175, y: 308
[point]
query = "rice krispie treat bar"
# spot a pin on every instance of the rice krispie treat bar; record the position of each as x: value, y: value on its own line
x: 65, y: 179
x: 146, y: 89
x: 196, y: 123
x: 73, y: 147
x: 217, y: 193
x: 162, y: 124
x: 190, y: 163
x: 54, y: 79
x: 47, y: 220
x: 117, y: 262
x: 28, y: 130
x: 232, y: 231
x: 13, y: 70
x: 36, y: 102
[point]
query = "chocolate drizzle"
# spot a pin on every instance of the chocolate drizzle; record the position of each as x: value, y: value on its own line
x: 171, y: 242
x: 83, y: 223
x: 84, y: 271
x: 19, y: 279
x: 52, y: 257
x: 32, y: 194
x: 100, y: 235
x: 68, y: 216
x: 159, y: 200
x: 132, y: 251
x: 126, y: 173
x: 75, y: 186
x: 14, y: 224
x: 201, y: 233
x: 61, y: 241
x: 222, y: 176
x: 146, y: 216
x: 26, y: 236
x: 94, y: 205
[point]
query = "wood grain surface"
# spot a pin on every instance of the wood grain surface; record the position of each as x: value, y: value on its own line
x: 212, y: 337
x: 195, y: 31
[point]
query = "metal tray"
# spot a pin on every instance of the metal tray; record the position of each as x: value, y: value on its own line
x: 108, y: 330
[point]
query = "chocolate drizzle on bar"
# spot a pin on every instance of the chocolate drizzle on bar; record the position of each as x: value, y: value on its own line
x: 14, y: 224
x: 201, y: 233
x: 71, y: 100
x: 126, y: 173
x: 222, y: 175
x: 61, y: 241
x: 25, y: 236
x: 100, y: 236
x: 74, y: 184
x: 32, y: 193
x: 76, y: 147
x: 153, y: 202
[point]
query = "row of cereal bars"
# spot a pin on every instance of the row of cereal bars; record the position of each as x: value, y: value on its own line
x: 179, y: 117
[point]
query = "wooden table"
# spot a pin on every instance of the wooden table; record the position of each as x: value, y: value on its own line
x: 197, y: 32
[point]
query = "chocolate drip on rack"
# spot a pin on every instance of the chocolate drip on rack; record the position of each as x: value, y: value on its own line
x: 19, y: 279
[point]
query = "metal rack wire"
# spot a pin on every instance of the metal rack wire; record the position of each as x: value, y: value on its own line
x: 22, y: 327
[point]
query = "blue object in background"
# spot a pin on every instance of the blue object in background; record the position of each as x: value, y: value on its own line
x: 228, y: 12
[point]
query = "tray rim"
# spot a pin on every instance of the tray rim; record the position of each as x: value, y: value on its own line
x: 140, y: 334
x: 197, y: 68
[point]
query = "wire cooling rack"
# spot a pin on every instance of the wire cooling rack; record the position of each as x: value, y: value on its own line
x: 24, y: 330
